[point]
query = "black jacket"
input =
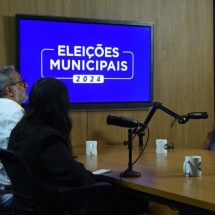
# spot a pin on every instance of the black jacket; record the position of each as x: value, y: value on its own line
x: 47, y: 154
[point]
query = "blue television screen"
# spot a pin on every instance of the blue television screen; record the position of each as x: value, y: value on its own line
x: 104, y: 63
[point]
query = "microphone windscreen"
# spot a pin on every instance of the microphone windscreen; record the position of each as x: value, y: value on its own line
x: 122, y: 121
x: 198, y: 115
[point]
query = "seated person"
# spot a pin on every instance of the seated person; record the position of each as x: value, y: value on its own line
x: 12, y: 95
x: 209, y: 143
x: 42, y: 137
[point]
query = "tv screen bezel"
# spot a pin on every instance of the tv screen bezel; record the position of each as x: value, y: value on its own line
x: 95, y: 105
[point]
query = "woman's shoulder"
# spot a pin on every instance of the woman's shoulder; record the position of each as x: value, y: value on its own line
x: 35, y: 128
x: 41, y: 127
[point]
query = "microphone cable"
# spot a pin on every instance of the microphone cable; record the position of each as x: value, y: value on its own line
x: 144, y: 147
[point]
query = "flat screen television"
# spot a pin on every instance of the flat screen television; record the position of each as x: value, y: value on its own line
x: 104, y: 63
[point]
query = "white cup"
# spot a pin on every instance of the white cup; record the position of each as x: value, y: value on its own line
x: 192, y: 166
x: 91, y: 163
x: 91, y: 147
x: 161, y: 146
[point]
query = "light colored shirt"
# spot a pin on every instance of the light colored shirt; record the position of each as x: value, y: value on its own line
x: 10, y: 113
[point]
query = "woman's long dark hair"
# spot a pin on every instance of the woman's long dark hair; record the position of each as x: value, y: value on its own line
x: 49, y: 102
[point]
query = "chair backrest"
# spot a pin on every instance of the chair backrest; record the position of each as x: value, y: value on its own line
x: 28, y: 197
x: 31, y: 198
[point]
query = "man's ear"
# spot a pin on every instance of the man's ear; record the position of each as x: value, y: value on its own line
x: 9, y: 92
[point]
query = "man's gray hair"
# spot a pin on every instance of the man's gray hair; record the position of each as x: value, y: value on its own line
x: 5, y: 78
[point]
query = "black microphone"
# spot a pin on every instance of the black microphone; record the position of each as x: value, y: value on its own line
x: 194, y: 115
x: 198, y: 115
x: 122, y: 121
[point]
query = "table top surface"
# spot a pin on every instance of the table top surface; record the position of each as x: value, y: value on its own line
x: 161, y: 174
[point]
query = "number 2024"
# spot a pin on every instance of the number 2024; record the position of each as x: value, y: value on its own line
x: 88, y: 79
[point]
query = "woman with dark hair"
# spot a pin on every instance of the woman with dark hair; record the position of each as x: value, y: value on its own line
x: 42, y: 137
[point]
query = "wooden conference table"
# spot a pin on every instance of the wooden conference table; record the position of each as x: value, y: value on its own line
x: 162, y: 179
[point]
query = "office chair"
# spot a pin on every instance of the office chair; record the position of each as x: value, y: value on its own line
x: 32, y: 198
x: 6, y: 190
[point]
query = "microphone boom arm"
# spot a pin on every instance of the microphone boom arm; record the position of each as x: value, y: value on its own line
x: 155, y: 106
x: 181, y: 119
x: 158, y: 105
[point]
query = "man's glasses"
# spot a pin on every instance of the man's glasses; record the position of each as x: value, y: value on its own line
x: 21, y: 81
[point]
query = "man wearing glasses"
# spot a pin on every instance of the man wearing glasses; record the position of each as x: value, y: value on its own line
x: 12, y: 95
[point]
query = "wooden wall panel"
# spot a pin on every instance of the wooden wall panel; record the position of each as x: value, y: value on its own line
x: 183, y: 62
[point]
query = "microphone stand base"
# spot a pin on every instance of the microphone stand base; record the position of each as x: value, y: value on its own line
x: 130, y: 173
